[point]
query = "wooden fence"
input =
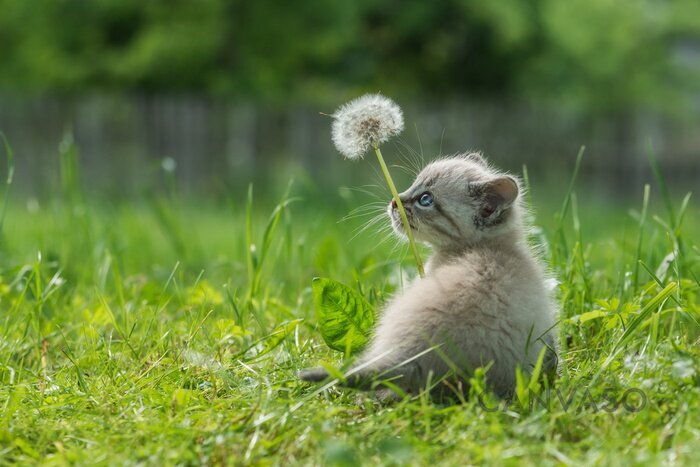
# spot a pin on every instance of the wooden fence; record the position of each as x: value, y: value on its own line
x: 123, y: 141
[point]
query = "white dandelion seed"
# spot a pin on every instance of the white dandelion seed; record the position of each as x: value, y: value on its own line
x: 364, y: 123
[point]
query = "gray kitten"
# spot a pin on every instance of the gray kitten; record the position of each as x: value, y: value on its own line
x: 484, y: 300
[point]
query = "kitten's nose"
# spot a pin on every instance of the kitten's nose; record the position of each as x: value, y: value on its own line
x: 393, y: 203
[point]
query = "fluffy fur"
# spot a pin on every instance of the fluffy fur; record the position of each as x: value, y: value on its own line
x: 484, y: 300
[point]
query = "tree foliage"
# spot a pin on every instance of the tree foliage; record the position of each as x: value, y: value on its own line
x: 598, y: 54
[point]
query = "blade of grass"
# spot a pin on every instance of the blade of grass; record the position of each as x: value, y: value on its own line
x: 565, y: 206
x: 250, y: 247
x: 673, y: 219
x: 581, y: 261
x: 657, y: 280
x: 269, y: 233
x: 681, y: 214
x: 69, y: 169
x: 642, y: 223
x: 570, y: 189
x: 661, y: 182
x: 8, y: 181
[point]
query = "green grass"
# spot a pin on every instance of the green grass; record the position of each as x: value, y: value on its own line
x: 153, y: 331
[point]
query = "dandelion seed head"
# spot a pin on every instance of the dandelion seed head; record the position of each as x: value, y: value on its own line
x: 362, y: 123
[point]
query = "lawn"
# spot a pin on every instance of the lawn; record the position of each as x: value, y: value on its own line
x: 167, y: 329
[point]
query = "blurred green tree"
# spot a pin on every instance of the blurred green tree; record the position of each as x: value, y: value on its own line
x: 599, y: 55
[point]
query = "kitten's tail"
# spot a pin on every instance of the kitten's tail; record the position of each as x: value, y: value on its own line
x: 314, y: 375
x: 357, y: 380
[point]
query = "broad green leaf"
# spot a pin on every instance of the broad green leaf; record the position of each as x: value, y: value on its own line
x: 345, y: 318
x: 613, y: 321
x: 589, y: 315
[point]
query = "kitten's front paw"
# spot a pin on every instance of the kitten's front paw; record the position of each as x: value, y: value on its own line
x: 314, y: 375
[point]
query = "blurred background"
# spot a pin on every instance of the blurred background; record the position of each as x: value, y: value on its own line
x: 218, y: 93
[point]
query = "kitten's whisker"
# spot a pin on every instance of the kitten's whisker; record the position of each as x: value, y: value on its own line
x: 384, y: 230
x: 395, y: 248
x: 382, y: 238
x: 363, y: 212
x: 365, y: 189
x: 373, y: 206
x: 366, y: 226
x: 407, y: 170
x: 371, y: 203
x: 372, y: 221
x: 442, y: 138
x: 420, y: 145
x: 413, y: 158
x: 349, y: 218
x: 387, y: 235
x: 363, y: 215
x: 411, y: 167
x: 379, y: 177
x: 417, y: 156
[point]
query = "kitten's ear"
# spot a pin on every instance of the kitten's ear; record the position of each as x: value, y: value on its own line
x: 498, y: 195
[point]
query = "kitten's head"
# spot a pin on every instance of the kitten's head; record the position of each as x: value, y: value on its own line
x: 459, y: 201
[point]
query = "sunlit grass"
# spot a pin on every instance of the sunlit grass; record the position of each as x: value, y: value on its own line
x: 170, y: 330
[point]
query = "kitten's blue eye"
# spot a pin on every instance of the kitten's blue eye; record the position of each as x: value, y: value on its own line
x: 425, y: 200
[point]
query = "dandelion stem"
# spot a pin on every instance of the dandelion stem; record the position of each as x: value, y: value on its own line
x: 402, y: 211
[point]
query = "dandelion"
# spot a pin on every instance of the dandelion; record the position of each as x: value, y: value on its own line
x: 364, y: 123
x: 367, y: 122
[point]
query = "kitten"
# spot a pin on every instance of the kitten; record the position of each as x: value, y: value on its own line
x: 484, y: 300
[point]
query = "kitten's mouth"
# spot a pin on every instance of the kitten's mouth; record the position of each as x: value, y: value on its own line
x: 396, y: 220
